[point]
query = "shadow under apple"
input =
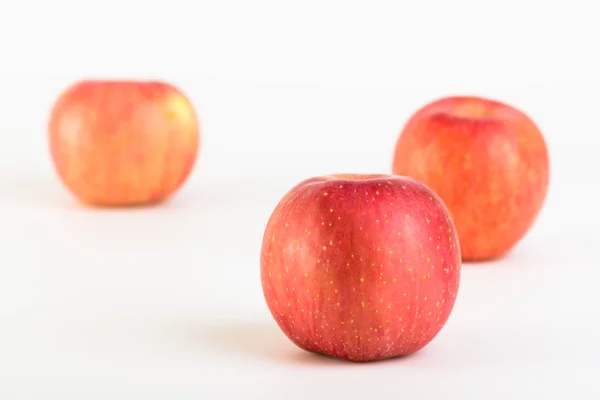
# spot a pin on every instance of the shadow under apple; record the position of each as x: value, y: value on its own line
x: 34, y: 191
x: 257, y: 340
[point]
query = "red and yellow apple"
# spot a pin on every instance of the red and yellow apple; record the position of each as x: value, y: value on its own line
x: 487, y: 160
x: 123, y: 143
x: 360, y: 267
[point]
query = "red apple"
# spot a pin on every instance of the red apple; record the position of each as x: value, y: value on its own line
x: 360, y: 267
x: 123, y: 143
x: 487, y: 160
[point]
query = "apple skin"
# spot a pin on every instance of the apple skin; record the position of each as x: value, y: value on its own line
x: 360, y: 267
x: 123, y: 143
x: 487, y: 160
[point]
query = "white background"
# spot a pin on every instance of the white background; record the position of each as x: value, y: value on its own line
x: 166, y: 302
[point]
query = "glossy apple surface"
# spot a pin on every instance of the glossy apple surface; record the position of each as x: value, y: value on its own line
x: 360, y: 267
x: 487, y: 160
x: 123, y: 143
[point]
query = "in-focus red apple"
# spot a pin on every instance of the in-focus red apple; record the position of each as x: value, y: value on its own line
x: 360, y: 267
x: 123, y: 143
x: 487, y: 160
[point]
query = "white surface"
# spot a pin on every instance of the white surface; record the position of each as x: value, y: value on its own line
x: 166, y: 302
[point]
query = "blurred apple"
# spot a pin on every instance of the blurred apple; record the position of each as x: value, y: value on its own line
x: 360, y: 267
x: 123, y: 143
x: 487, y: 160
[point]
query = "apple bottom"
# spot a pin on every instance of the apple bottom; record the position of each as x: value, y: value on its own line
x: 382, y: 344
x: 396, y: 318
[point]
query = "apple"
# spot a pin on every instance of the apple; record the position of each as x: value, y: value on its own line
x: 487, y: 160
x: 123, y: 143
x: 360, y: 267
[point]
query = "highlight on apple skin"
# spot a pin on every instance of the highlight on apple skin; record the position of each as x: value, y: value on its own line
x: 123, y: 143
x: 360, y: 267
x: 489, y: 163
